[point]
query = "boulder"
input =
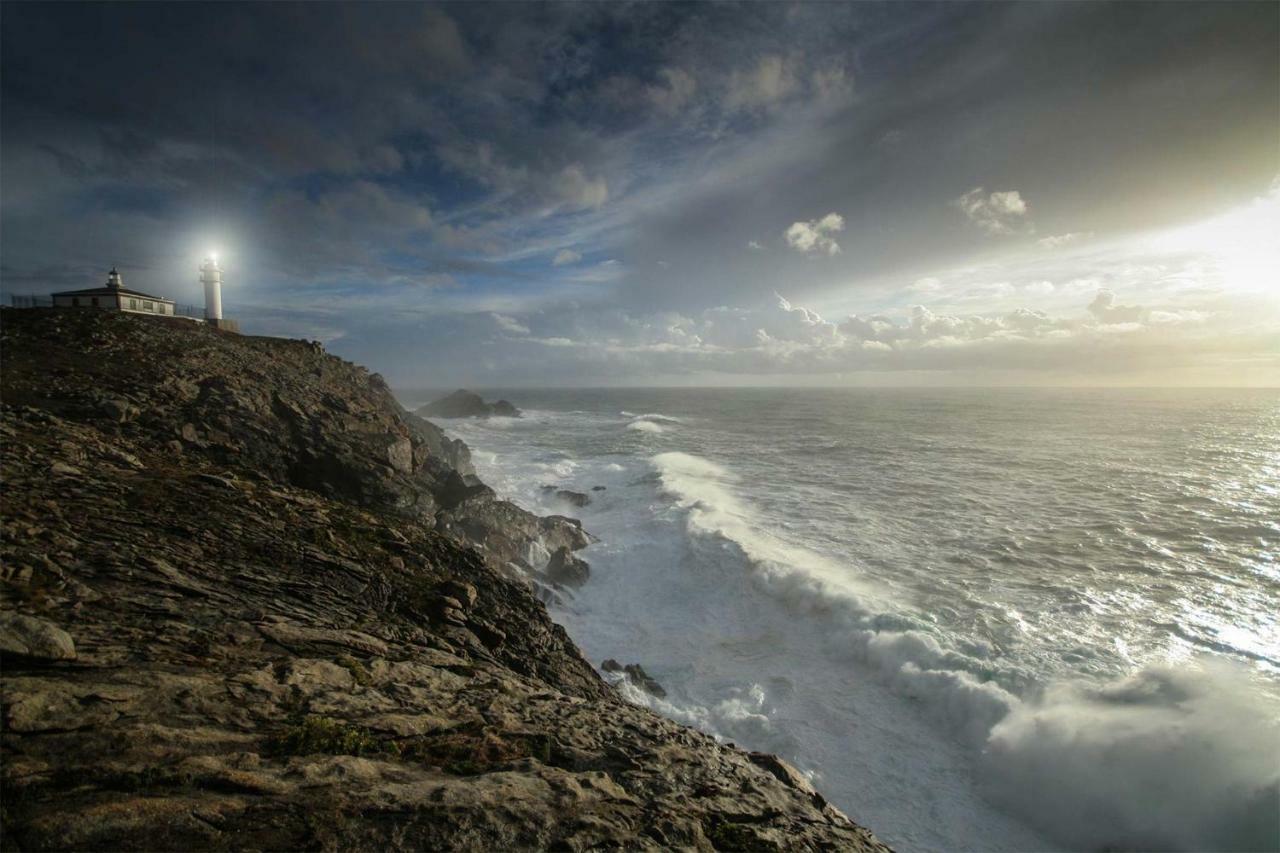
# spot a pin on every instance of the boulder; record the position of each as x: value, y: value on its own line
x: 35, y: 638
x: 577, y: 499
x: 567, y: 570
x: 400, y: 455
x: 118, y: 410
x: 503, y: 409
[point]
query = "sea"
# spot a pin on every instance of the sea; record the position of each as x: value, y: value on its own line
x: 977, y: 619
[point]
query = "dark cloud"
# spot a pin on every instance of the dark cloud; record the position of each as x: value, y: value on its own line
x: 374, y: 153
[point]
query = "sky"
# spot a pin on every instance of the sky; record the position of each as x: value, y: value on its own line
x: 494, y: 195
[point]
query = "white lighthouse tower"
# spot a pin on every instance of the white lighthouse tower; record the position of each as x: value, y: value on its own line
x: 211, y: 278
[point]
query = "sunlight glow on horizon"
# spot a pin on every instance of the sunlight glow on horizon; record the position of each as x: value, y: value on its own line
x: 1243, y: 243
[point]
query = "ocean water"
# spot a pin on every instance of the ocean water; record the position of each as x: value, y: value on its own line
x: 980, y: 620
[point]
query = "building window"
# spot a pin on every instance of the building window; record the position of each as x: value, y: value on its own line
x: 147, y: 305
x: 75, y: 301
x: 95, y: 302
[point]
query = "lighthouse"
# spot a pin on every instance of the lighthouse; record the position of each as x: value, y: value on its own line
x: 211, y: 278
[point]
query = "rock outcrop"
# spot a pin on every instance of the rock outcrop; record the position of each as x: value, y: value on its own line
x: 248, y: 612
x: 467, y: 404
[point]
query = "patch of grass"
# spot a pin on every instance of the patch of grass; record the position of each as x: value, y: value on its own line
x: 733, y: 836
x: 330, y: 737
x: 357, y: 669
x: 470, y: 753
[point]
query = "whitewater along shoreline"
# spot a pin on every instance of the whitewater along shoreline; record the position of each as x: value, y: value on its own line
x: 250, y: 602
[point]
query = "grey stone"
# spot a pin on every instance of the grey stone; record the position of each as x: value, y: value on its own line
x: 32, y: 637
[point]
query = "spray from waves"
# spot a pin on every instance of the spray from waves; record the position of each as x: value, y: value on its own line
x: 1165, y: 759
x: 742, y: 716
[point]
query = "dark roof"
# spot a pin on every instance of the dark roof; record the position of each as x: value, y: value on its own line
x: 112, y: 291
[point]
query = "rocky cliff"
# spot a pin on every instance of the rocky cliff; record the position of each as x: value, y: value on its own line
x: 249, y: 602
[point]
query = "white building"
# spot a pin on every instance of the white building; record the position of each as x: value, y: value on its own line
x: 211, y: 278
x: 114, y: 297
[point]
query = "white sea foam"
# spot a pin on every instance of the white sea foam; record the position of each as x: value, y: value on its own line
x: 941, y: 626
x: 646, y: 426
x: 652, y: 416
x: 1164, y: 759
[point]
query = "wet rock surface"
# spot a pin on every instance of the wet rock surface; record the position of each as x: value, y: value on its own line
x: 577, y: 499
x: 215, y: 636
x: 635, y: 673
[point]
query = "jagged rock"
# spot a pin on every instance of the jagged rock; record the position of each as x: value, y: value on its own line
x: 635, y: 674
x: 466, y: 404
x: 215, y: 480
x: 464, y: 593
x: 566, y: 569
x: 32, y: 637
x: 303, y: 660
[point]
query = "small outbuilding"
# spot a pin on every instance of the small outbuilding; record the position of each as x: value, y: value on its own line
x: 114, y: 297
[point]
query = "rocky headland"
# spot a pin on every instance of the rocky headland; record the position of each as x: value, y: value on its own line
x: 249, y: 602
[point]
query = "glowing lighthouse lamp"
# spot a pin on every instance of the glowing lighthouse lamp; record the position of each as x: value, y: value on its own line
x: 211, y: 278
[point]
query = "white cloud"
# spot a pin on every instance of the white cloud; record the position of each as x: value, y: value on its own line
x: 1058, y: 240
x: 677, y: 91
x: 601, y: 273
x: 565, y: 256
x: 928, y: 284
x: 1093, y: 337
x: 815, y: 235
x: 754, y: 245
x: 509, y: 324
x: 998, y: 213
x: 769, y: 82
x: 578, y: 191
x: 1104, y: 307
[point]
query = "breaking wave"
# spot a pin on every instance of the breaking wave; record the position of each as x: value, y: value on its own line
x: 1162, y: 759
x: 651, y: 416
x: 651, y: 423
x: 646, y: 426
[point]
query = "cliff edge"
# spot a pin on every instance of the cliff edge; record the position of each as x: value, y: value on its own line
x: 250, y: 602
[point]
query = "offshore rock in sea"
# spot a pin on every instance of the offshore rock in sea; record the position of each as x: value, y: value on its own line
x: 467, y: 404
x: 578, y: 499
